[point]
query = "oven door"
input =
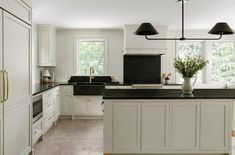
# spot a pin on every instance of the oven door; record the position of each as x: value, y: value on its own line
x: 37, y: 108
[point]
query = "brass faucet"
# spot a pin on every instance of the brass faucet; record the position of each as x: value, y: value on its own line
x: 92, y: 74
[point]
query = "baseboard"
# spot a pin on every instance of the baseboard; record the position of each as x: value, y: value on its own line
x: 70, y: 117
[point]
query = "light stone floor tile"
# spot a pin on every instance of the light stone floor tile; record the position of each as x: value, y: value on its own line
x: 73, y: 137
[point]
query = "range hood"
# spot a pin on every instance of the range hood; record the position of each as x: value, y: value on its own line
x: 134, y: 44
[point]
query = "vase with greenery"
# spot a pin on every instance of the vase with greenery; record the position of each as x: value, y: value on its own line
x: 188, y: 67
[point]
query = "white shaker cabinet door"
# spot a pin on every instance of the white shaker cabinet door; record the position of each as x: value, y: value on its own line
x: 155, y: 125
x: 126, y: 126
x: 95, y: 105
x: 80, y: 105
x: 65, y: 103
x: 57, y: 104
x: 1, y: 86
x: 215, y: 128
x: 185, y: 125
x: 17, y: 109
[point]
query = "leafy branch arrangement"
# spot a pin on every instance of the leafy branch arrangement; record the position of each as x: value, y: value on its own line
x: 190, y: 65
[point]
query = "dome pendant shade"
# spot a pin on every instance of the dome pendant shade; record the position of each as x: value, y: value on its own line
x: 146, y: 29
x: 221, y: 29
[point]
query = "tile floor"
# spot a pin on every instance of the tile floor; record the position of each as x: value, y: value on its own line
x: 78, y: 137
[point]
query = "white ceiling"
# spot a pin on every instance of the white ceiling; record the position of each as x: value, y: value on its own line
x: 200, y: 14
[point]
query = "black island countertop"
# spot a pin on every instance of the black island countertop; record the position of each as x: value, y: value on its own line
x: 168, y: 94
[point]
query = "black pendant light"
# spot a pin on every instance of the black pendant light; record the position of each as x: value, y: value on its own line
x: 220, y: 29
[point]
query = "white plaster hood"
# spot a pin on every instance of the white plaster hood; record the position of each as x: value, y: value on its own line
x: 134, y: 44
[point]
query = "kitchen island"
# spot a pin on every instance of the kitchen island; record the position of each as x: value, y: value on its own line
x: 156, y: 121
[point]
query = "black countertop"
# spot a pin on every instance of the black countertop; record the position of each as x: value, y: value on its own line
x: 168, y: 94
x: 41, y: 87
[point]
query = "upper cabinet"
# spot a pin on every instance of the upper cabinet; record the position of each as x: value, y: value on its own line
x: 139, y: 45
x: 20, y: 8
x: 46, y: 45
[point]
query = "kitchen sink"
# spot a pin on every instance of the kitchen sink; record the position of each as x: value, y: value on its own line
x: 84, y: 88
x: 90, y: 84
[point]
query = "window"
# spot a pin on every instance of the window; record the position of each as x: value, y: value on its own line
x: 187, y: 47
x: 221, y: 56
x: 223, y: 61
x: 91, y: 53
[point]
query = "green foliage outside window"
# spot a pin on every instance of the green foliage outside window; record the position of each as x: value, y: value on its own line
x: 91, y: 54
x: 223, y: 61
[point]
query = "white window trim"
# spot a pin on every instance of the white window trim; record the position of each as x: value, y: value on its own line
x: 76, y: 54
x: 206, y: 79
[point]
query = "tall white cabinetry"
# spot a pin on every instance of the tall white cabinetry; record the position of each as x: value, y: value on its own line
x: 46, y: 45
x: 15, y: 51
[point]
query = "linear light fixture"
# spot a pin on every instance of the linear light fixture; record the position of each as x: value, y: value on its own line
x: 220, y: 29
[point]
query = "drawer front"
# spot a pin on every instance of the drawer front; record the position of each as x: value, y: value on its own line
x: 48, y: 106
x: 48, y: 120
x: 19, y: 8
x: 37, y: 130
x: 67, y: 88
x: 48, y: 96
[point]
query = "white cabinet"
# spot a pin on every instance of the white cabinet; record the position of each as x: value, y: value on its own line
x: 19, y: 8
x: 37, y: 130
x: 167, y: 126
x: 57, y: 103
x: 87, y: 105
x: 1, y: 84
x: 126, y: 126
x: 16, y: 61
x: 49, y: 99
x: 155, y: 126
x: 80, y: 105
x: 1, y: 131
x: 215, y: 125
x: 46, y: 45
x: 66, y: 100
x: 185, y: 125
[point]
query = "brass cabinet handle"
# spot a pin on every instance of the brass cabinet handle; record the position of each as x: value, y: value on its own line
x: 6, y: 85
x: 3, y: 86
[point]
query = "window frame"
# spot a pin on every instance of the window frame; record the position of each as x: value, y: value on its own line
x: 76, y: 68
x: 207, y: 54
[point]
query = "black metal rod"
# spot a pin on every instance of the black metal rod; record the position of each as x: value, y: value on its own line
x: 182, y: 18
x: 182, y: 39
x: 221, y: 35
x: 161, y: 38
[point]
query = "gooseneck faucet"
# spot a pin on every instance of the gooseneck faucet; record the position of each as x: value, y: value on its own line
x: 92, y: 74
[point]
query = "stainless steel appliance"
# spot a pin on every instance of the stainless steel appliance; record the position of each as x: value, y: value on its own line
x: 37, y: 107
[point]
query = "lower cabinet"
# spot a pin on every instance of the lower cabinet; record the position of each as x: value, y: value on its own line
x: 66, y: 100
x: 155, y: 126
x: 185, y: 125
x: 49, y: 100
x: 87, y: 105
x: 167, y: 126
x: 57, y: 103
x: 215, y: 125
x: 126, y: 126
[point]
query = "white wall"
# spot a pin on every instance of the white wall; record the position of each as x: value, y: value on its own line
x: 66, y: 60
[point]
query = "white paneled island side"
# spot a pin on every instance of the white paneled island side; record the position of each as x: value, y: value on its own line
x: 139, y: 121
